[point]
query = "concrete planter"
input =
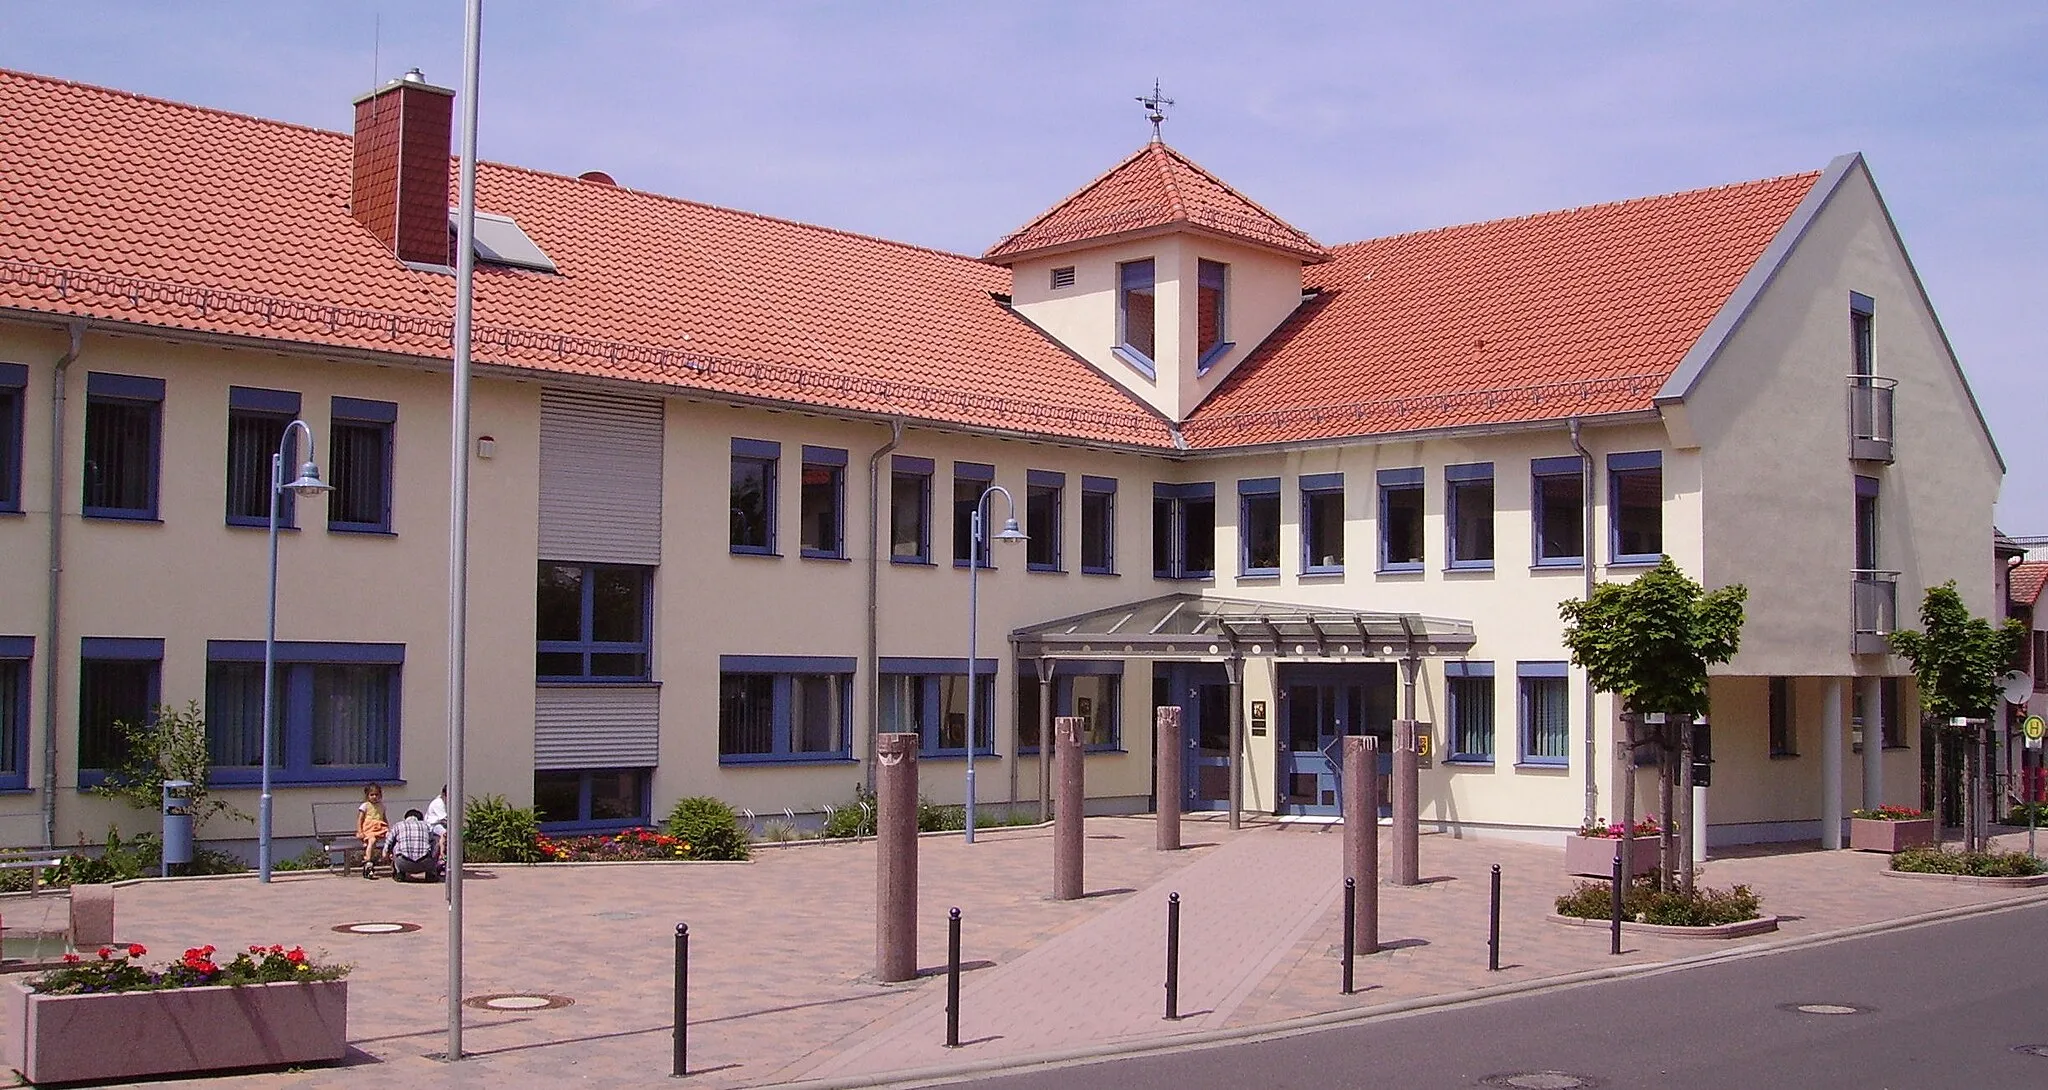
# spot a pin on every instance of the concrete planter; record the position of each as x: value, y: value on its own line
x: 2027, y: 882
x: 125, y: 1035
x: 1593, y: 856
x: 1739, y: 929
x: 1872, y: 835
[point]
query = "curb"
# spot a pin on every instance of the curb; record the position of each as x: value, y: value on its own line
x: 1070, y: 1057
x: 2016, y: 882
x: 1739, y: 929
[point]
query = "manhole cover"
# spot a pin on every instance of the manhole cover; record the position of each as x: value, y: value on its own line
x: 2032, y: 1050
x: 1541, y: 1080
x: 1825, y: 1008
x: 379, y: 927
x: 517, y: 1001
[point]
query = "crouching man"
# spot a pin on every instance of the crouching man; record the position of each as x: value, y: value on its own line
x: 413, y: 848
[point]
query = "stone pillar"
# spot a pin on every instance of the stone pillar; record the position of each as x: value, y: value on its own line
x: 1166, y: 770
x: 896, y: 856
x: 1873, y: 742
x: 1362, y: 835
x: 1407, y: 792
x: 1069, y: 797
x: 92, y: 916
x: 1234, y: 668
x: 1833, y: 740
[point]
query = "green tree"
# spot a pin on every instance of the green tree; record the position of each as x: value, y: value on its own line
x: 1649, y: 641
x: 1957, y: 660
x: 172, y: 746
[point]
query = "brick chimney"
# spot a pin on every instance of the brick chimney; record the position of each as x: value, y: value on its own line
x: 400, y: 190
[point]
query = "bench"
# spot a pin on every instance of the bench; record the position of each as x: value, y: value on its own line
x: 25, y: 830
x: 334, y: 827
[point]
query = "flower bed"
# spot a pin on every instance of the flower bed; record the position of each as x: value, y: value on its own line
x: 1644, y: 903
x: 1986, y: 864
x: 632, y: 845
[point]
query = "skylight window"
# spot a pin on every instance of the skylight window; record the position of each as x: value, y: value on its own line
x: 500, y: 241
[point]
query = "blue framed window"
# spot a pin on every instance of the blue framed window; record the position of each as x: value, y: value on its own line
x: 336, y: 710
x: 1401, y: 520
x: 1635, y: 495
x: 1469, y: 521
x: 1557, y: 499
x: 928, y: 698
x: 257, y: 420
x: 1136, y: 315
x: 1545, y: 698
x: 970, y: 480
x: 592, y: 622
x: 1862, y: 334
x: 13, y: 398
x: 821, y: 506
x: 1098, y: 525
x: 1784, y: 734
x: 754, y: 464
x: 362, y: 450
x: 1322, y: 523
x: 17, y: 654
x: 784, y: 708
x: 1089, y: 688
x: 1184, y: 530
x: 592, y: 800
x: 1469, y: 698
x: 910, y: 510
x: 124, y: 417
x: 1045, y: 494
x: 1212, y: 327
x: 1258, y: 527
x: 119, y: 681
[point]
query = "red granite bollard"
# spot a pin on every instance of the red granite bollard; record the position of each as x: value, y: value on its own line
x: 896, y: 856
x: 1166, y: 769
x: 1407, y: 804
x: 1067, y: 803
x: 1362, y: 836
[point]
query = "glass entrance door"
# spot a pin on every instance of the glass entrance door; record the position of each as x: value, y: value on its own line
x: 1319, y: 705
x: 1203, y: 693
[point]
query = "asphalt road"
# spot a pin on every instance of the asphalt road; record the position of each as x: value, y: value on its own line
x: 1942, y: 1006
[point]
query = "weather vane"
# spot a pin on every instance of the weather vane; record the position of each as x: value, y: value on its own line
x: 1155, y: 108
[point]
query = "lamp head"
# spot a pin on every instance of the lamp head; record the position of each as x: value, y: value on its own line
x: 309, y: 483
x: 1010, y: 531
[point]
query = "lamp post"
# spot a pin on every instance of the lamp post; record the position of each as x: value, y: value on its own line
x: 1009, y: 532
x: 307, y: 485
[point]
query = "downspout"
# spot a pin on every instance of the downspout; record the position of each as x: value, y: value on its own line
x: 873, y: 664
x: 1592, y: 809
x: 52, y: 629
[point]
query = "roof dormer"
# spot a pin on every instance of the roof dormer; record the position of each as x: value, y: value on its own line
x: 1159, y: 274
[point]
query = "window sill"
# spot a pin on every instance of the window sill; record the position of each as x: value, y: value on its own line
x: 1262, y: 575
x: 1092, y: 747
x: 1191, y: 577
x: 1135, y: 360
x: 122, y: 516
x: 1099, y: 571
x: 958, y: 755
x: 1635, y: 561
x: 1400, y: 569
x: 964, y: 565
x: 595, y: 683
x: 363, y: 530
x: 813, y: 554
x: 1043, y: 570
x: 1574, y: 564
x: 1784, y: 756
x: 912, y: 562
x: 253, y: 778
x: 4, y: 511
x: 1466, y: 567
x: 1470, y: 762
x: 742, y: 759
x: 765, y: 554
x: 1542, y: 766
x: 1323, y: 572
x: 282, y: 527
x: 1215, y: 353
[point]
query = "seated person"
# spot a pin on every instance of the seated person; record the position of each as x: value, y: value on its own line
x: 413, y: 848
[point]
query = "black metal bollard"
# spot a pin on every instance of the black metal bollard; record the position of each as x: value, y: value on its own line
x: 1493, y: 926
x: 953, y: 979
x: 682, y: 1061
x: 1350, y: 928
x: 1172, y: 956
x: 1614, y: 940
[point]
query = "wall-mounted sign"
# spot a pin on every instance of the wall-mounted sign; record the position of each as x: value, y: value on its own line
x: 1258, y: 719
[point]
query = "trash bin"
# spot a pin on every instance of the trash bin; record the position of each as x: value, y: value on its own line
x: 177, y: 823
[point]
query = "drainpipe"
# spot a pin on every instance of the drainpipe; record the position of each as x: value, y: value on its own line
x: 873, y: 665
x: 52, y: 630
x: 1592, y: 809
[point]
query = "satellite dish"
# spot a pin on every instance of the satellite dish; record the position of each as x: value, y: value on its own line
x: 2017, y: 687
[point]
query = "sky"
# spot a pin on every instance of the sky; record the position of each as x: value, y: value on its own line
x: 949, y: 124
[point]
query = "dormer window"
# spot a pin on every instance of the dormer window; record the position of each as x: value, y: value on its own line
x: 1212, y: 278
x: 1136, y: 320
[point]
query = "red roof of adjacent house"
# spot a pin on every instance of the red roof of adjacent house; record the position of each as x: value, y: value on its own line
x: 122, y: 207
x: 2024, y: 588
x: 1562, y: 314
x: 1156, y: 187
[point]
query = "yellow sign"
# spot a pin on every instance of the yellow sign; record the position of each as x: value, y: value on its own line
x: 2034, y: 728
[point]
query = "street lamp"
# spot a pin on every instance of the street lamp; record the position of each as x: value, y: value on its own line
x: 308, y: 485
x: 1009, y: 532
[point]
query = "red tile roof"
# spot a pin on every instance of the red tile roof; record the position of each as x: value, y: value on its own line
x: 127, y: 208
x: 1571, y: 313
x: 1156, y: 187
x: 2027, y: 578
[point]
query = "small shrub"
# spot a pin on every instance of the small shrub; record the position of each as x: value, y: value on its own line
x: 779, y: 831
x: 313, y: 858
x: 855, y: 819
x: 933, y: 818
x: 710, y: 826
x: 495, y: 831
x: 1984, y: 864
x: 1644, y: 903
x: 2018, y: 816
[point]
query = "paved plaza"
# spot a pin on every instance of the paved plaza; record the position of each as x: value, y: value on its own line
x: 782, y: 948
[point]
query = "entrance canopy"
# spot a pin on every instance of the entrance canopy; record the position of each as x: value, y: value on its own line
x: 1192, y: 626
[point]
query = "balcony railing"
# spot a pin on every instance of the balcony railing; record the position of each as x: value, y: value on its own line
x: 1876, y: 610
x: 1870, y: 417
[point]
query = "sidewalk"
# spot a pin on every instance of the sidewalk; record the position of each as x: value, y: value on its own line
x: 781, y: 948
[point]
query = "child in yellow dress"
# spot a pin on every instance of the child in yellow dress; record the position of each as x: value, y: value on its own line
x: 371, y: 824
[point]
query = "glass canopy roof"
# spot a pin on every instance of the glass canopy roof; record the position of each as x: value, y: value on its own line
x: 1192, y: 626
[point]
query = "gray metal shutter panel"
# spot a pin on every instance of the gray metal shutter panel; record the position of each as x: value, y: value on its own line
x: 598, y: 726
x: 600, y: 478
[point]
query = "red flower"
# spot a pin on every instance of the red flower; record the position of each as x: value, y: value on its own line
x: 296, y: 955
x: 136, y: 950
x: 72, y: 959
x: 255, y: 949
x: 106, y: 952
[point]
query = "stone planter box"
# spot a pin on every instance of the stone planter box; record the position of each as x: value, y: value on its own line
x: 2027, y: 882
x: 1739, y: 929
x: 1593, y: 856
x: 1872, y: 835
x: 126, y: 1035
